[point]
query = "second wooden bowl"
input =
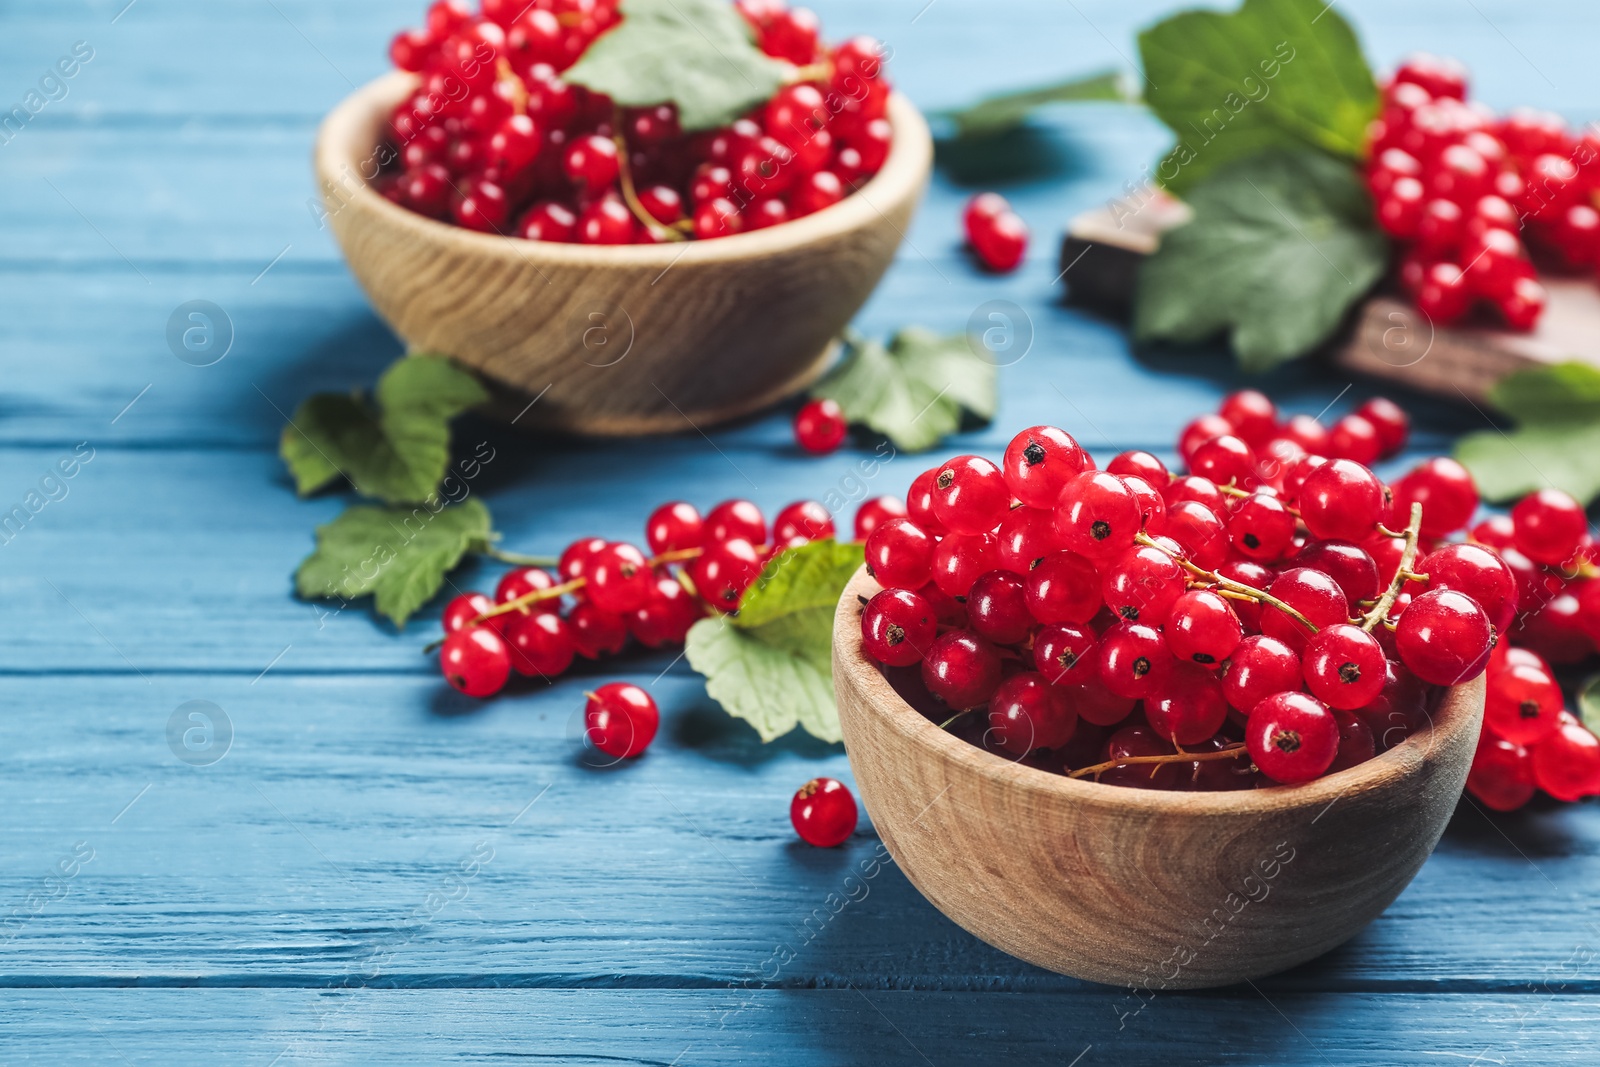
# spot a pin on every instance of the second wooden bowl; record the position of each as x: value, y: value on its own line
x: 626, y: 339
x: 1142, y: 888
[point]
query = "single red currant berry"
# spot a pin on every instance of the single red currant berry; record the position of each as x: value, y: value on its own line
x: 1344, y: 667
x: 606, y: 222
x: 1200, y: 533
x: 717, y: 217
x: 800, y: 522
x: 919, y: 503
x: 481, y: 206
x: 1143, y: 584
x: 1063, y: 652
x: 1479, y: 573
x: 969, y: 495
x: 541, y: 644
x: 1186, y: 705
x: 1495, y: 531
x: 548, y: 220
x: 591, y: 161
x: 1567, y: 763
x: 1133, y: 658
x: 1096, y: 704
x: 961, y: 669
x: 725, y: 571
x: 1252, y: 416
x: 476, y: 661
x: 596, y: 632
x: 960, y: 559
x: 1097, y: 515
x: 1225, y: 460
x: 997, y: 607
x: 821, y: 189
x: 1152, y: 508
x: 514, y: 144
x: 1027, y: 712
x: 735, y: 519
x: 1261, y: 527
x: 1314, y: 595
x: 1391, y: 422
x: 1341, y: 500
x: 1444, y: 637
x: 1356, y: 743
x: 620, y: 719
x: 1549, y: 526
x: 1446, y: 492
x: 900, y: 555
x: 1356, y: 439
x: 820, y: 427
x: 1000, y: 241
x: 673, y: 527
x: 1199, y: 431
x: 620, y: 579
x: 1292, y: 737
x: 1203, y: 629
x: 662, y: 203
x: 1501, y: 775
x: 1138, y: 465
x: 823, y: 813
x: 873, y: 513
x: 1308, y: 433
x: 1194, y: 488
x: 1351, y: 566
x: 665, y: 618
x: 459, y: 613
x: 898, y: 627
x: 1064, y: 587
x: 1039, y: 461
x: 1259, y: 667
x: 1254, y: 575
x: 1026, y: 535
x: 1523, y: 703
x: 574, y: 562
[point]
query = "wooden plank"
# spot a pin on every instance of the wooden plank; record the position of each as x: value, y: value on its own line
x: 344, y: 802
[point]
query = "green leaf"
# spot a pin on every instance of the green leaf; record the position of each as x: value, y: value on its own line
x: 1557, y: 440
x: 396, y: 452
x: 1274, y: 74
x: 769, y: 664
x: 398, y: 555
x: 1589, y: 704
x: 916, y: 390
x: 697, y: 54
x: 1280, y: 246
x: 1005, y: 111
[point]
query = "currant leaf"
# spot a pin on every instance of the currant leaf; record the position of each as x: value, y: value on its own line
x: 1273, y: 74
x: 996, y: 114
x: 1279, y: 248
x: 1589, y: 704
x: 698, y: 54
x: 397, y: 555
x: 770, y: 664
x: 916, y: 390
x: 1557, y: 411
x: 395, y: 449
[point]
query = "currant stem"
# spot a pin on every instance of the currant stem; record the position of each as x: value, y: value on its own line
x: 1225, y: 586
x: 630, y: 196
x: 946, y: 724
x: 517, y: 559
x: 1402, y: 573
x: 1230, y: 752
x: 811, y: 72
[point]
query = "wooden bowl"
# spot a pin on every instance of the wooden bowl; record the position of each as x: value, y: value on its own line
x: 626, y: 339
x: 1143, y: 888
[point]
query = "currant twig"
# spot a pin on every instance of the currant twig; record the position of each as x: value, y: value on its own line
x: 517, y: 559
x: 630, y: 196
x: 1225, y: 585
x: 1402, y: 573
x: 811, y: 72
x: 1231, y: 752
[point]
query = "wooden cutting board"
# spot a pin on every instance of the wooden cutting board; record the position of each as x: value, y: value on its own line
x: 1386, y: 337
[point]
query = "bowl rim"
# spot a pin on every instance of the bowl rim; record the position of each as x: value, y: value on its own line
x: 341, y: 149
x: 1454, y: 714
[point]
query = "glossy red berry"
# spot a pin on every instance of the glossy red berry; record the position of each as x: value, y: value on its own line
x: 1390, y: 421
x: 961, y: 669
x: 1567, y: 763
x: 999, y: 240
x: 1523, y: 703
x: 1292, y: 737
x: 969, y: 495
x: 1478, y: 572
x: 898, y: 627
x: 1356, y: 743
x: 875, y: 512
x: 725, y: 571
x: 1225, y: 460
x: 1063, y: 652
x: 666, y: 617
x: 1133, y: 658
x: 1344, y: 667
x: 541, y: 644
x: 1351, y: 566
x: 1064, y: 587
x: 1341, y: 500
x: 1203, y: 629
x: 475, y: 661
x: 606, y: 222
x: 596, y: 632
x: 1027, y: 713
x: 591, y: 160
x: 1446, y: 492
x: 823, y: 813
x: 1143, y: 584
x: 1097, y: 515
x: 1139, y: 465
x: 1502, y: 774
x: 459, y: 613
x: 1259, y: 667
x: 1549, y: 526
x: 1444, y: 637
x: 959, y: 560
x: 1186, y: 705
x: 800, y: 522
x: 820, y: 427
x: 620, y: 579
x: 1039, y: 461
x: 1252, y: 416
x: 735, y: 519
x: 900, y: 555
x: 1199, y: 532
x: 1314, y: 595
x: 621, y: 719
x: 673, y: 527
x: 1261, y: 527
x: 997, y: 607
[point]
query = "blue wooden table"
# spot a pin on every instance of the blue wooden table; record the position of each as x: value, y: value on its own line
x: 377, y: 870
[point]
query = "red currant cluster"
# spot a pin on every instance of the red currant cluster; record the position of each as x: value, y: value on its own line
x: 996, y: 234
x: 1278, y: 602
x: 604, y: 592
x: 1464, y: 188
x: 496, y: 141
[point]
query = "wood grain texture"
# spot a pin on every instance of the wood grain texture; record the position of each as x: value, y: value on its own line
x: 1144, y: 888
x: 631, y: 339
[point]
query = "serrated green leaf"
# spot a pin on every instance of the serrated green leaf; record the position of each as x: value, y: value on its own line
x: 770, y: 663
x: 1273, y: 74
x: 1589, y: 704
x: 398, y: 555
x: 697, y: 54
x: 1279, y: 248
x: 1005, y: 111
x: 396, y: 450
x: 1557, y: 440
x: 916, y: 390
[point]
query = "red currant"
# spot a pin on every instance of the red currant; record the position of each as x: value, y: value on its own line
x: 1203, y: 629
x: 1341, y: 500
x: 823, y: 813
x: 1027, y: 712
x: 666, y: 617
x: 1523, y: 704
x: 997, y: 607
x: 1292, y: 737
x: 735, y: 519
x: 1344, y: 667
x: 961, y: 669
x: 1064, y: 587
x: 1549, y: 526
x: 620, y: 579
x: 959, y: 560
x: 1567, y: 763
x: 1063, y: 654
x: 541, y: 644
x: 1186, y: 705
x: 1501, y: 775
x: 673, y: 527
x: 1314, y: 595
x: 596, y: 632
x: 621, y: 719
x: 1446, y: 492
x: 1097, y: 515
x: 1479, y: 573
x: 1143, y: 584
x: 1444, y: 637
x: 801, y: 522
x: 898, y: 627
x: 725, y: 571
x: 875, y: 512
x: 900, y: 555
x: 820, y: 427
x: 969, y: 495
x: 476, y: 661
x: 1259, y: 667
x: 1133, y: 658
x: 1041, y: 460
x: 459, y: 613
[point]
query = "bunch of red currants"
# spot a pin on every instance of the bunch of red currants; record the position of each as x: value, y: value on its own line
x: 1275, y: 614
x: 1464, y: 188
x: 494, y: 140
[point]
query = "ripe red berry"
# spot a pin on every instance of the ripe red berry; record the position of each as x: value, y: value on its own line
x: 1097, y: 515
x: 725, y: 571
x: 1549, y: 526
x: 620, y: 579
x: 1292, y: 737
x: 459, y: 613
x: 1027, y: 712
x: 997, y: 607
x: 1444, y: 637
x: 596, y: 632
x: 1039, y: 461
x: 476, y: 661
x: 735, y: 520
x: 1341, y: 500
x: 620, y: 719
x: 673, y: 527
x: 1259, y: 667
x: 606, y: 222
x: 1391, y: 422
x: 1351, y: 566
x: 960, y: 559
x: 1446, y: 492
x: 666, y: 617
x: 1225, y: 460
x: 1133, y: 658
x: 1479, y: 573
x: 591, y: 161
x: 873, y: 513
x: 1314, y: 595
x: 823, y: 813
x: 1063, y: 654
x: 1143, y: 584
x: 1501, y: 775
x: 1203, y: 629
x: 1261, y: 527
x: 1186, y: 705
x: 800, y: 522
x: 1251, y: 415
x: 998, y: 238
x: 900, y: 555
x: 898, y: 627
x: 1356, y: 743
x: 1200, y: 533
x: 1344, y: 667
x: 1064, y: 587
x: 961, y: 669
x: 969, y: 495
x: 1567, y: 763
x: 541, y: 644
x: 1523, y: 703
x: 820, y: 427
x: 1136, y: 464
x: 1134, y: 741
